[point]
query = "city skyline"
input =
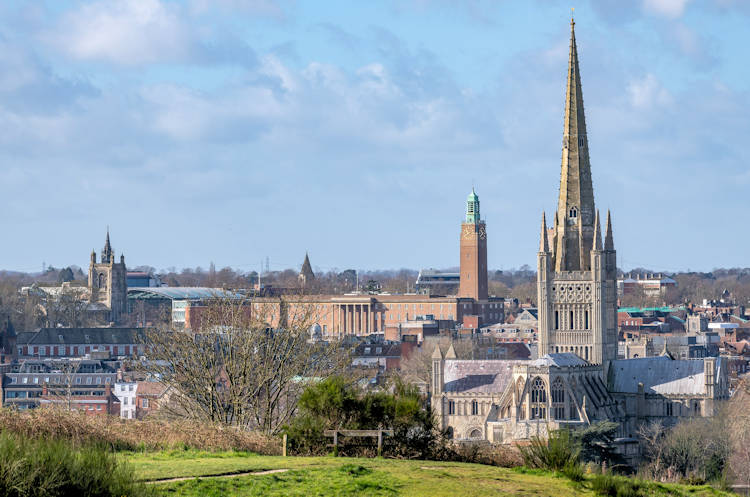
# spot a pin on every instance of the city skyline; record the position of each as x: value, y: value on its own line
x: 255, y: 129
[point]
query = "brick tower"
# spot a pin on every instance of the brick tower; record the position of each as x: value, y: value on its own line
x: 473, y: 279
x: 577, y: 273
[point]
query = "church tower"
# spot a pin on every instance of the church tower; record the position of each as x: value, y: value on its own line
x: 108, y: 282
x: 473, y: 278
x: 577, y: 274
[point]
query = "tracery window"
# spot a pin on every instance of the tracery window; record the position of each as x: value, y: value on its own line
x: 558, y: 398
x: 538, y: 399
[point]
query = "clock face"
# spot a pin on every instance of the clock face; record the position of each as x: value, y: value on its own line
x: 482, y: 232
x: 467, y: 232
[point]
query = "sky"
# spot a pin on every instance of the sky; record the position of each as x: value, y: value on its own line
x: 231, y: 131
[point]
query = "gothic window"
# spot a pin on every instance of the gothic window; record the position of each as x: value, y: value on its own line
x: 538, y: 399
x: 668, y: 408
x: 571, y: 324
x: 451, y: 407
x: 557, y: 320
x: 475, y: 434
x: 573, y: 213
x: 586, y: 318
x: 558, y: 398
x: 474, y: 408
x: 101, y: 280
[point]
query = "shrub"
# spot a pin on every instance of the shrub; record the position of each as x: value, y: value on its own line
x: 140, y: 435
x: 337, y: 403
x: 574, y: 472
x: 555, y: 453
x: 51, y: 468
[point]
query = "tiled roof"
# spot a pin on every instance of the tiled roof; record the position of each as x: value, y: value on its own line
x: 77, y: 336
x: 471, y: 376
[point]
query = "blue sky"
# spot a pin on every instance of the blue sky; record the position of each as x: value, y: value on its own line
x: 235, y: 130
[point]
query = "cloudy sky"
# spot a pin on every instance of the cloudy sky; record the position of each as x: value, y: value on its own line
x: 235, y: 130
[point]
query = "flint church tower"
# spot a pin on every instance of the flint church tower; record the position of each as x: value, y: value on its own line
x: 577, y: 273
x: 108, y: 282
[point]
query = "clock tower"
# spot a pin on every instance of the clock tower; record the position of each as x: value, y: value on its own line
x: 473, y: 279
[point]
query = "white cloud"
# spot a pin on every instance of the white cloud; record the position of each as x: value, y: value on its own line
x: 647, y: 93
x: 124, y: 31
x: 672, y: 9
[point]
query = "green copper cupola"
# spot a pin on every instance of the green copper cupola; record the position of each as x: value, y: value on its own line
x: 472, y: 208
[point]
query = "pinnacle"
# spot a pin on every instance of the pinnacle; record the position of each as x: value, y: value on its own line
x: 543, y: 244
x: 609, y: 243
x: 597, y: 233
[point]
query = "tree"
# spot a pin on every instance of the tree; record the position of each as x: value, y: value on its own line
x: 245, y: 365
x: 65, y: 275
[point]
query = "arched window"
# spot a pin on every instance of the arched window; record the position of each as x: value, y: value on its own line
x: 573, y: 213
x: 538, y: 399
x: 475, y: 434
x: 451, y: 407
x: 101, y: 280
x: 558, y: 398
x: 474, y: 408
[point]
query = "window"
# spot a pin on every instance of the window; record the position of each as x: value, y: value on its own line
x: 558, y: 398
x: 668, y: 409
x: 144, y: 403
x: 124, y: 401
x: 573, y: 213
x: 474, y: 408
x: 557, y: 320
x: 451, y: 407
x: 130, y: 388
x: 538, y: 399
x: 571, y: 326
x: 586, y: 317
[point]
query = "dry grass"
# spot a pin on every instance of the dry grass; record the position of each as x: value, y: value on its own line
x: 133, y: 434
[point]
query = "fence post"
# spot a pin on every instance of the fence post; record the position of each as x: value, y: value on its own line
x: 283, y: 450
x: 335, y: 443
x: 380, y: 443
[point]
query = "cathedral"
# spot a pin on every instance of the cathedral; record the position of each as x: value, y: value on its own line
x: 577, y: 379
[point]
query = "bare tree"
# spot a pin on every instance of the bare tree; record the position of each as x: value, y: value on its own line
x: 245, y: 365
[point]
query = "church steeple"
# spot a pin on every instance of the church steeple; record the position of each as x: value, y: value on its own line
x: 575, y: 206
x: 107, y: 254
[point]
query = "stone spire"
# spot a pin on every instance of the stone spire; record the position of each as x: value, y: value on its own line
x: 575, y: 206
x: 597, y: 233
x: 107, y: 255
x: 609, y: 242
x: 543, y: 244
x: 306, y: 274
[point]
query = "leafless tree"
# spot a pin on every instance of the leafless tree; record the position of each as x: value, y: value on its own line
x: 245, y: 365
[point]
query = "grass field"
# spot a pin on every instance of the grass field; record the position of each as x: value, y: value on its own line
x: 328, y: 476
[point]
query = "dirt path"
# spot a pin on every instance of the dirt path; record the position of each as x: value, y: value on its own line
x: 224, y: 475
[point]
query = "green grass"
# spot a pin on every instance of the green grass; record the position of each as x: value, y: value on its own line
x: 329, y: 476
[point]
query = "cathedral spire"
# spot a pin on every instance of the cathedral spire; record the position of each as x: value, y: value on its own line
x: 609, y: 242
x: 575, y: 206
x: 543, y: 244
x: 576, y: 191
